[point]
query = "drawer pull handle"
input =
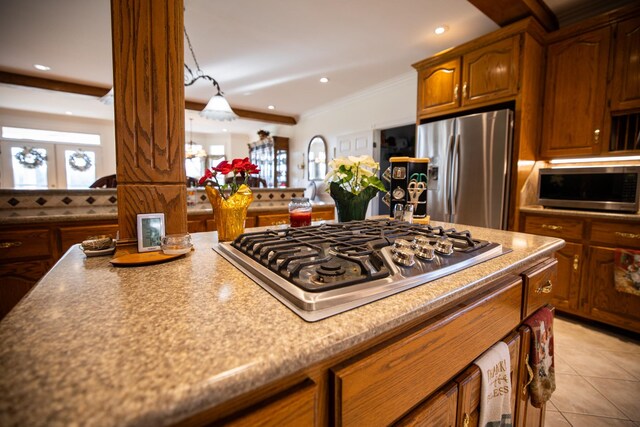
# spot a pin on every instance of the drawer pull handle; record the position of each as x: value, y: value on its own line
x: 530, y: 371
x: 455, y: 92
x: 465, y: 421
x: 464, y: 91
x: 552, y: 227
x: 576, y: 262
x: 545, y: 289
x: 7, y: 245
x: 596, y: 136
x: 627, y: 235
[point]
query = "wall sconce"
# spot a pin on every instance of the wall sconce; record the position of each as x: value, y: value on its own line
x: 301, y: 165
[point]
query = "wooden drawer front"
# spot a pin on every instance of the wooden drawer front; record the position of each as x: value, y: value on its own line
x: 380, y: 387
x: 69, y: 236
x: 438, y: 410
x: 470, y: 385
x: 292, y: 408
x: 25, y: 244
x: 538, y: 286
x: 322, y: 215
x: 553, y: 226
x: 276, y: 219
x: 196, y: 226
x: 616, y: 234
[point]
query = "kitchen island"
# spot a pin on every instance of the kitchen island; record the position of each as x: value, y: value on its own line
x: 195, y: 340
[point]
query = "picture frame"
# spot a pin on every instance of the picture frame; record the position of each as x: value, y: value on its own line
x: 150, y: 232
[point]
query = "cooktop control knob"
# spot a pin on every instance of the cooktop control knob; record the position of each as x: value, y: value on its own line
x: 403, y: 257
x: 444, y: 246
x: 425, y: 252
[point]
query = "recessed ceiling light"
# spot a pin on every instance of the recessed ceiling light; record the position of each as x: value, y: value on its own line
x: 324, y: 80
x: 68, y: 113
x: 441, y: 29
x: 225, y: 130
x: 41, y: 67
x: 271, y: 107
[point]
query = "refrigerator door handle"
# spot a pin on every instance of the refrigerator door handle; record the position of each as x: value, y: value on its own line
x: 449, y: 178
x: 455, y: 172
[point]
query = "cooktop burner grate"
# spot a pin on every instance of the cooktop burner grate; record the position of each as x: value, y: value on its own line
x: 319, y: 268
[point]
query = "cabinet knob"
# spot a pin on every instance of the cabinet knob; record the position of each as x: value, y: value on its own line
x: 627, y: 235
x: 596, y: 136
x: 455, y: 92
x: 464, y: 91
x: 552, y: 227
x: 576, y: 262
x: 465, y: 420
x: 7, y: 245
x: 545, y: 289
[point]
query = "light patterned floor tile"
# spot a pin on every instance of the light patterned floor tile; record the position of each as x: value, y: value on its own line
x: 589, y: 362
x: 578, y: 420
x: 630, y: 362
x: 623, y: 394
x: 575, y: 394
x: 555, y: 419
x: 562, y: 366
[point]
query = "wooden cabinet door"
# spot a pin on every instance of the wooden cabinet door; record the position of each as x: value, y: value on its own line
x: 470, y: 387
x: 606, y: 302
x: 625, y: 83
x: 16, y: 279
x: 526, y: 415
x: 575, y: 95
x: 438, y: 410
x: 491, y: 72
x: 566, y: 288
x: 439, y: 88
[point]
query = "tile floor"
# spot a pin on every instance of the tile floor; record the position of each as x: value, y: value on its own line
x: 597, y: 378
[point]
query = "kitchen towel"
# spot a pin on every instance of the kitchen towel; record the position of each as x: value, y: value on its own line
x: 495, y: 401
x: 626, y: 273
x: 541, y: 356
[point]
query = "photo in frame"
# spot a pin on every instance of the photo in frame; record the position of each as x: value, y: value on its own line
x: 150, y: 232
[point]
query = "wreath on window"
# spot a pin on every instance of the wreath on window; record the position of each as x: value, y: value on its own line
x: 30, y: 158
x: 80, y: 161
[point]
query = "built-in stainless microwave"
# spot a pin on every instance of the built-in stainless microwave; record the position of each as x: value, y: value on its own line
x: 610, y: 188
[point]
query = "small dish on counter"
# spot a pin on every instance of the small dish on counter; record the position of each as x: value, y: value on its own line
x: 176, y: 244
x: 98, y: 252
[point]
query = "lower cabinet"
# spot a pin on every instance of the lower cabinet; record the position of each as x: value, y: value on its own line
x: 17, y: 280
x: 587, y: 276
x: 438, y: 410
x: 605, y: 302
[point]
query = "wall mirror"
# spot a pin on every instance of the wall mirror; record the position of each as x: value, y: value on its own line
x: 317, y: 158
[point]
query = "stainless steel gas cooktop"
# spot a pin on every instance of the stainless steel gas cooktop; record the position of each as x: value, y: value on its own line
x: 323, y: 270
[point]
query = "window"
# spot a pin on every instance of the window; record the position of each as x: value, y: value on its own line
x: 33, y: 161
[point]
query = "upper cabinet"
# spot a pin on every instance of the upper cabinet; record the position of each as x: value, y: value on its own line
x: 491, y: 73
x: 574, y: 101
x: 592, y: 87
x: 483, y: 75
x: 439, y: 87
x: 625, y: 82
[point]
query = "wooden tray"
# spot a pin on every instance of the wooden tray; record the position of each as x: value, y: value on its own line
x: 143, y: 258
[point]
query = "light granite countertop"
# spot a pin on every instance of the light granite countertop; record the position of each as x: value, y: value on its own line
x: 536, y: 209
x: 151, y: 345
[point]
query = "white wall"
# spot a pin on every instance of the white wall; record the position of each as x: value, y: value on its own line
x: 390, y: 104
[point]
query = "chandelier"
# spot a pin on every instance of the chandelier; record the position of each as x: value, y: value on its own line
x: 216, y: 109
x: 192, y: 151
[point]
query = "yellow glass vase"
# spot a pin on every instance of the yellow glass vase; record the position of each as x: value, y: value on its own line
x: 230, y: 213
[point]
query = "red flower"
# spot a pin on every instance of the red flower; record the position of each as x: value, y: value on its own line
x: 208, y: 174
x: 223, y: 167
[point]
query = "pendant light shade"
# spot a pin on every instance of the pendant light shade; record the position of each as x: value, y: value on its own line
x: 218, y: 109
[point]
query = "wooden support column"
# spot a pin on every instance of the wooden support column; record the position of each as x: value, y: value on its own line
x: 148, y: 58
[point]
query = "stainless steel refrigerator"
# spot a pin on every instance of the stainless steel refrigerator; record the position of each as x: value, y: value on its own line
x: 470, y: 168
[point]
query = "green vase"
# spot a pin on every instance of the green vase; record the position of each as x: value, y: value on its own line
x: 351, y: 207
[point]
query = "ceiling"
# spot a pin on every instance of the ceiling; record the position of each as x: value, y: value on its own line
x: 268, y: 52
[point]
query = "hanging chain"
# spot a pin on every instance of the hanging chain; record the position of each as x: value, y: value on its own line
x: 193, y: 55
x: 190, y: 78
